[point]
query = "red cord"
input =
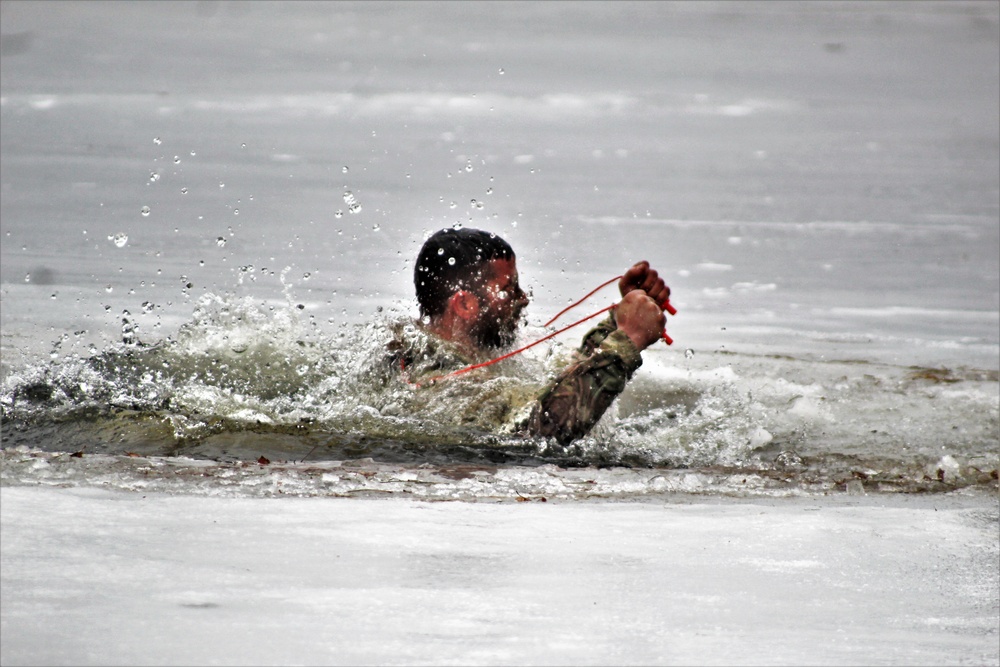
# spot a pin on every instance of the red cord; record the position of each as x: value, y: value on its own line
x: 667, y: 339
x: 666, y: 306
x: 574, y: 305
x: 517, y: 351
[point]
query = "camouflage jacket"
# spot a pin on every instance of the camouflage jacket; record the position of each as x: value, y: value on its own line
x: 565, y: 409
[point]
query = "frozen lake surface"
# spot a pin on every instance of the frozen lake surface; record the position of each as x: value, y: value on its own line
x: 208, y: 216
x: 100, y: 578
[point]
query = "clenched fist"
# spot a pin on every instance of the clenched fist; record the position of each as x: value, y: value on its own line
x: 641, y: 277
x: 640, y: 317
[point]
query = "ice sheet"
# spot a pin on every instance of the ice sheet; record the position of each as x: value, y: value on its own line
x: 103, y: 578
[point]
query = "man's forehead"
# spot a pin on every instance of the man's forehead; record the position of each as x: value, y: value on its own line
x: 502, y: 269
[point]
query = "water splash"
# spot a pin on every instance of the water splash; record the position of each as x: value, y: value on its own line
x: 237, y: 365
x: 242, y: 378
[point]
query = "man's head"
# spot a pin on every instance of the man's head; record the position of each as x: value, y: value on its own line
x: 470, y: 276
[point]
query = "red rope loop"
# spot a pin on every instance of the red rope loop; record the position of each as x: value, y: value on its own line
x: 517, y: 351
x: 577, y: 303
x: 667, y: 339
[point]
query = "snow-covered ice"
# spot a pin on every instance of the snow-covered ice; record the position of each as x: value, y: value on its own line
x: 111, y: 578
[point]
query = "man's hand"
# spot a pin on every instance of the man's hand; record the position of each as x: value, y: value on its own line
x: 641, y: 277
x: 640, y: 317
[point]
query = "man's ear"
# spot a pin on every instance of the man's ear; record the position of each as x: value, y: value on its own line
x: 464, y: 304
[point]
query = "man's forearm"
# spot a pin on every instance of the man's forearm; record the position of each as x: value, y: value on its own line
x: 579, y: 396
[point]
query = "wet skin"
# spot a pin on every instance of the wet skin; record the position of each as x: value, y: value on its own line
x: 501, y: 303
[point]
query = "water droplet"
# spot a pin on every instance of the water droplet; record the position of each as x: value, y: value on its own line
x: 154, y: 176
x: 688, y: 353
x: 501, y: 71
x: 27, y: 278
x: 236, y: 211
x: 222, y: 185
x: 452, y: 205
x: 489, y: 191
x: 157, y: 141
x: 201, y: 262
x: 147, y: 307
x: 451, y: 261
x: 440, y: 251
x: 177, y: 159
x: 243, y: 145
x: 193, y: 153
x: 53, y: 296
x: 221, y: 242
x: 345, y: 170
x: 306, y: 275
x: 144, y: 211
x: 468, y: 166
x: 338, y: 214
x: 352, y: 203
x: 119, y: 239
x: 184, y: 191
x: 109, y: 289
x: 375, y: 228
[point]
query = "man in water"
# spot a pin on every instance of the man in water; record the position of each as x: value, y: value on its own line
x: 467, y: 288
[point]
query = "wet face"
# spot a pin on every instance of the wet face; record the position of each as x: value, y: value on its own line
x: 501, y: 304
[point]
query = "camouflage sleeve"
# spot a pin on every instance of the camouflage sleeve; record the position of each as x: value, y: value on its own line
x: 571, y: 405
x: 594, y: 337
